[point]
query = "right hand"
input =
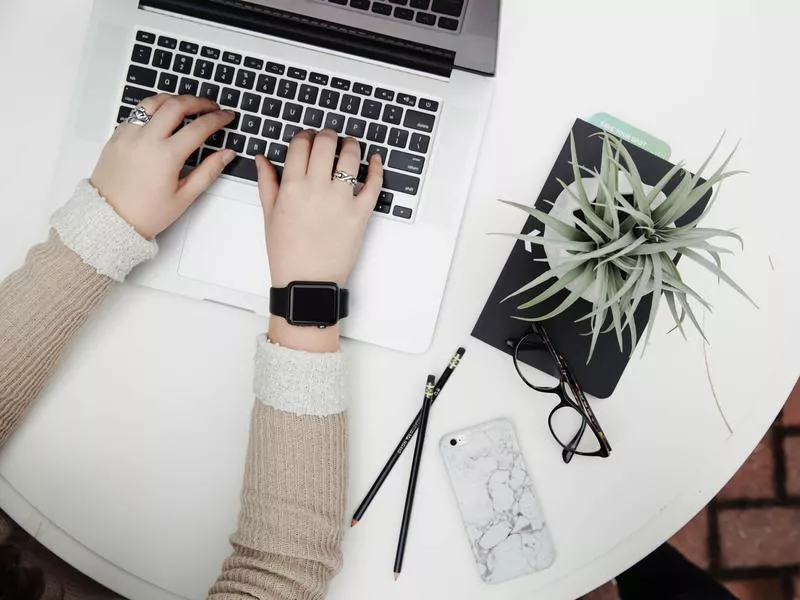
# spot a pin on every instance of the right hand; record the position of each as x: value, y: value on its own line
x: 315, y: 225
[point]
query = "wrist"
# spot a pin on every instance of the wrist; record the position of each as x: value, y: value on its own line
x: 310, y: 339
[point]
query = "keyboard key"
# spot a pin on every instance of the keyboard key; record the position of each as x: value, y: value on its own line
x: 398, y: 137
x: 363, y: 171
x: 400, y: 2
x: 350, y: 104
x: 296, y: 73
x: 417, y: 120
x: 146, y: 37
x: 402, y: 212
x: 183, y: 64
x: 162, y: 59
x: 400, y: 182
x: 289, y: 131
x: 142, y: 76
x: 251, y: 124
x: 277, y: 152
x: 371, y: 109
x: 421, y: 4
x: 329, y: 99
x: 123, y: 113
x: 192, y: 160
x: 216, y: 139
x: 313, y: 118
x: 340, y: 84
x: 362, y: 88
x: 355, y: 127
x: 392, y: 114
x: 363, y: 146
x: 210, y: 53
x: 451, y: 8
x: 447, y: 23
x: 382, y: 207
x: 141, y: 54
x: 276, y: 68
x: 430, y: 105
x: 386, y: 197
x: 203, y: 69
x: 335, y: 122
x: 384, y: 94
x: 272, y: 129
x: 251, y: 102
x: 342, y: 2
x: 377, y: 133
x: 292, y: 112
x: 272, y: 107
x: 167, y: 42
x: 381, y: 8
x: 253, y: 63
x: 188, y: 86
x: 318, y: 78
x: 242, y: 167
x: 189, y: 48
x: 287, y: 89
x: 234, y: 125
x: 235, y: 141
x: 419, y: 143
x: 266, y: 84
x: 404, y: 161
x: 373, y: 149
x: 425, y: 18
x: 133, y: 95
x: 210, y: 91
x: 360, y: 4
x: 230, y: 97
x: 403, y: 13
x: 245, y: 79
x: 407, y: 99
x: 167, y: 82
x: 308, y: 94
x: 256, y: 146
x: 232, y: 57
x: 224, y: 74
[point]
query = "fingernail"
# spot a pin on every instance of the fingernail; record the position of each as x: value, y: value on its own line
x: 228, y: 156
x: 228, y: 110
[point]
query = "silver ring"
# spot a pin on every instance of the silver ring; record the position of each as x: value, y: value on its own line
x: 347, y: 178
x: 138, y: 117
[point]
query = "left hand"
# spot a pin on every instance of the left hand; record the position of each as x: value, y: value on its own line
x: 139, y: 171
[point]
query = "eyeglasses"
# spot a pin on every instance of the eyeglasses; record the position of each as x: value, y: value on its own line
x: 572, y: 423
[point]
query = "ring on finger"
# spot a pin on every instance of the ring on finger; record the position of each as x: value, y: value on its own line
x: 345, y: 177
x: 139, y: 117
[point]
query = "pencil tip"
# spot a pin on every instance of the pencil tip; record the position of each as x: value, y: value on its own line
x: 354, y: 522
x: 396, y: 575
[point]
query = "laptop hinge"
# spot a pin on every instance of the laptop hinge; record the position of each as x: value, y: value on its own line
x: 315, y: 32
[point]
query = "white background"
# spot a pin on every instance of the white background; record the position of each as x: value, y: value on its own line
x: 130, y: 464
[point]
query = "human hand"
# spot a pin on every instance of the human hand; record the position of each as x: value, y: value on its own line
x: 139, y: 169
x: 314, y: 224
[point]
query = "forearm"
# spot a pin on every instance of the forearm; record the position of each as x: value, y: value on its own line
x: 288, y: 541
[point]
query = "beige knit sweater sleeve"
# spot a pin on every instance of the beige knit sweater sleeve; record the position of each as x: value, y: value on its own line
x: 288, y: 541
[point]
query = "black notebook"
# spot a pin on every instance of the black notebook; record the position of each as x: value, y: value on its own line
x: 495, y: 325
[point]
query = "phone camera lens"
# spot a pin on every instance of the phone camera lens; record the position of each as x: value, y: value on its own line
x: 453, y: 442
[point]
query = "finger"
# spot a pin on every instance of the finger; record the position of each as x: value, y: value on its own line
x: 320, y: 165
x: 349, y: 159
x: 267, y: 184
x: 297, y: 158
x: 368, y: 196
x: 150, y: 106
x: 192, y: 136
x: 206, y: 173
x: 173, y: 111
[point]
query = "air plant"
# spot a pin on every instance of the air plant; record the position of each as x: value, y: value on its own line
x: 622, y: 245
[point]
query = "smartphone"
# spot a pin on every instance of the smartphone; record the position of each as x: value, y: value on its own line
x: 499, y: 507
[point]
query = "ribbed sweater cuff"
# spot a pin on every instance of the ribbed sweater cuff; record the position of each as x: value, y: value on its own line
x: 94, y: 231
x: 303, y: 383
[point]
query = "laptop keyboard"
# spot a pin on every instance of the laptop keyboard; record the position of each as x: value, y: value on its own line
x: 274, y: 100
x: 433, y: 14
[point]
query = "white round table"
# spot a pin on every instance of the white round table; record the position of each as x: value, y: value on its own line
x: 129, y: 466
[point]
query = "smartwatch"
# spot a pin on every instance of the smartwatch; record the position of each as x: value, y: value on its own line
x: 310, y: 303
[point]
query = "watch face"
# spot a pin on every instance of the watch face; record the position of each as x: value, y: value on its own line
x: 313, y: 304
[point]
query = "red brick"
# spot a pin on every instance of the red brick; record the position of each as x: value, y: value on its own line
x: 791, y: 446
x: 791, y: 412
x: 604, y: 592
x: 755, y: 478
x: 756, y: 589
x: 763, y: 536
x: 692, y: 540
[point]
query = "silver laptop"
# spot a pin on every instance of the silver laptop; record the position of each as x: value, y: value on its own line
x: 410, y: 79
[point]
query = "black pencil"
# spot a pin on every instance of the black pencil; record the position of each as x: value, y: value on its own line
x: 412, y: 480
x: 401, y: 446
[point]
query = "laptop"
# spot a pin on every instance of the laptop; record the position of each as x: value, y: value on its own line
x: 410, y: 79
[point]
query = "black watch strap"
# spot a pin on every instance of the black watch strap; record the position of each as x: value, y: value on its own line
x: 279, y: 301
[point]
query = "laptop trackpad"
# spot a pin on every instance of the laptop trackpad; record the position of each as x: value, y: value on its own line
x: 225, y: 245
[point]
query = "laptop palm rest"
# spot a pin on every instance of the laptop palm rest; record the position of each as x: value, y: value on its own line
x: 225, y: 246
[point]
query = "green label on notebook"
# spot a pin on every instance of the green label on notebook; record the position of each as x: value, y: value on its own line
x: 631, y: 134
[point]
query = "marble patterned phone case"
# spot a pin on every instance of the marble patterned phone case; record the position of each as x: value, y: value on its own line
x: 501, y: 513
